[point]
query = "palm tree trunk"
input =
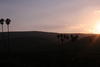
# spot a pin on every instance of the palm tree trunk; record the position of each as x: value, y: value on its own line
x: 8, y: 40
x: 2, y: 37
x: 2, y: 28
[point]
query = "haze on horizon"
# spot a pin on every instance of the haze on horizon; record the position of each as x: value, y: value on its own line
x: 73, y: 16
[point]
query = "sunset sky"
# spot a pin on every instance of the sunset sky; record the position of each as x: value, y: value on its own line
x: 66, y: 16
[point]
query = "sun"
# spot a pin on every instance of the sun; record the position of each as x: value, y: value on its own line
x: 96, y: 28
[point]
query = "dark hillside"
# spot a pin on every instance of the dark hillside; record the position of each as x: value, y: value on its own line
x: 41, y: 49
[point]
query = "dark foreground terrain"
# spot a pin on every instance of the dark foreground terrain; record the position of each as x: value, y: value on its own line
x: 41, y: 49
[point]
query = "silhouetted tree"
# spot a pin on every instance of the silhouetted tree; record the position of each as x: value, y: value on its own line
x: 74, y: 37
x: 2, y: 22
x: 58, y: 36
x: 8, y: 22
x: 62, y: 38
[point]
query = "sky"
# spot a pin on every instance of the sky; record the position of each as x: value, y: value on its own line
x: 63, y: 16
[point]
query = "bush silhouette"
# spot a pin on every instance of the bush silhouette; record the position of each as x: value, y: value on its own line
x: 74, y: 37
x: 62, y: 38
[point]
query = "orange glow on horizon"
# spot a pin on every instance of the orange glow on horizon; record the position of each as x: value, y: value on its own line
x: 96, y: 28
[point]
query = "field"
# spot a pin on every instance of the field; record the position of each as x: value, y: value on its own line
x: 43, y: 49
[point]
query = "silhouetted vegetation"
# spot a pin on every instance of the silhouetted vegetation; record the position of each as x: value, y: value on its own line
x: 2, y: 22
x: 8, y: 22
x: 74, y: 37
x: 63, y: 37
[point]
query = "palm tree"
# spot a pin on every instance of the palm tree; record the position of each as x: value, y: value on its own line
x: 2, y: 22
x: 8, y: 22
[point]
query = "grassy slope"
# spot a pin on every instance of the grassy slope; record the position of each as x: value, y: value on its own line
x: 34, y: 48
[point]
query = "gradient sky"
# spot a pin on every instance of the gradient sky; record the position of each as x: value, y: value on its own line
x: 73, y: 16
